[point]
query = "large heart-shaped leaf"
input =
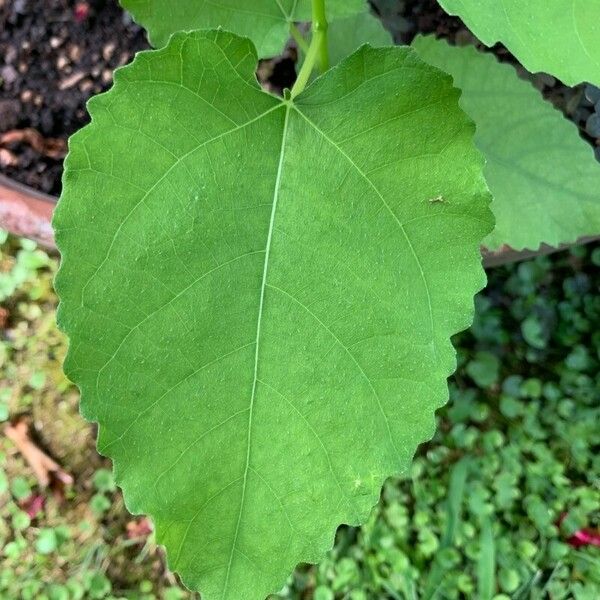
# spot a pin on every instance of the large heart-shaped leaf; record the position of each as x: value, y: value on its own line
x: 260, y: 293
x: 266, y: 22
x: 544, y: 178
x: 561, y: 37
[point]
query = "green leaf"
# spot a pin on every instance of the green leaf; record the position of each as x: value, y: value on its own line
x: 104, y: 481
x: 484, y: 369
x: 20, y: 488
x: 98, y: 586
x: 486, y: 564
x: 260, y: 293
x: 46, y: 542
x: 265, y: 22
x: 347, y: 34
x: 20, y: 520
x: 456, y: 492
x: 560, y: 37
x: 544, y: 178
x: 533, y: 332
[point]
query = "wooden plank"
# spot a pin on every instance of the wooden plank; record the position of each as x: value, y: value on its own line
x: 26, y: 213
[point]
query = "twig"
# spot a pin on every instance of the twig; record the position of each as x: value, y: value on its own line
x: 43, y: 466
x: 55, y: 148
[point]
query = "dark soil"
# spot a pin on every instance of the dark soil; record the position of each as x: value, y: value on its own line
x: 406, y: 18
x: 56, y: 54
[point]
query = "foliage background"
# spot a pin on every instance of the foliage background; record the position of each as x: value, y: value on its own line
x: 489, y: 507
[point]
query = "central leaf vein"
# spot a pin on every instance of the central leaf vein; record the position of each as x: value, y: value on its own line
x: 257, y: 343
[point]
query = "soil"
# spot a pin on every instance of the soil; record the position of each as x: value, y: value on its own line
x: 55, y: 55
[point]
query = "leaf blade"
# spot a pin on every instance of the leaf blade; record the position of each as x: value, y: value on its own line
x: 543, y: 177
x: 266, y: 22
x: 539, y: 33
x: 347, y: 34
x: 486, y: 564
x: 162, y: 297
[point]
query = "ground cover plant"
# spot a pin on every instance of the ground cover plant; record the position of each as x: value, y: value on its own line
x: 522, y: 418
x: 260, y: 291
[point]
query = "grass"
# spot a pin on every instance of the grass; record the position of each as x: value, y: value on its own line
x: 487, y: 511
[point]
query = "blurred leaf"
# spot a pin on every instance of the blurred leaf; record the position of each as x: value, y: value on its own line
x: 104, y: 480
x: 20, y: 488
x: 484, y: 369
x: 533, y: 332
x: 486, y: 566
x: 47, y: 541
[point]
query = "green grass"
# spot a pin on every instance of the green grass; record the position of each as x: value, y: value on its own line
x: 486, y: 511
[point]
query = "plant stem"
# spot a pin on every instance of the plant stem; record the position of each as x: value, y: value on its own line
x: 299, y: 38
x: 317, y: 51
x: 319, y: 28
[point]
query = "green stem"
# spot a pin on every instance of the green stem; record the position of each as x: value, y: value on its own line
x: 319, y: 27
x: 299, y: 38
x: 317, y: 51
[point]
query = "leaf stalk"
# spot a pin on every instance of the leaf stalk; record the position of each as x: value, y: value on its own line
x: 318, y: 51
x: 299, y: 38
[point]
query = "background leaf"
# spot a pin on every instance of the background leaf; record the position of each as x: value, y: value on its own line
x: 265, y: 22
x: 543, y: 177
x: 486, y: 567
x: 456, y: 492
x: 260, y: 293
x: 347, y: 34
x: 560, y: 37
